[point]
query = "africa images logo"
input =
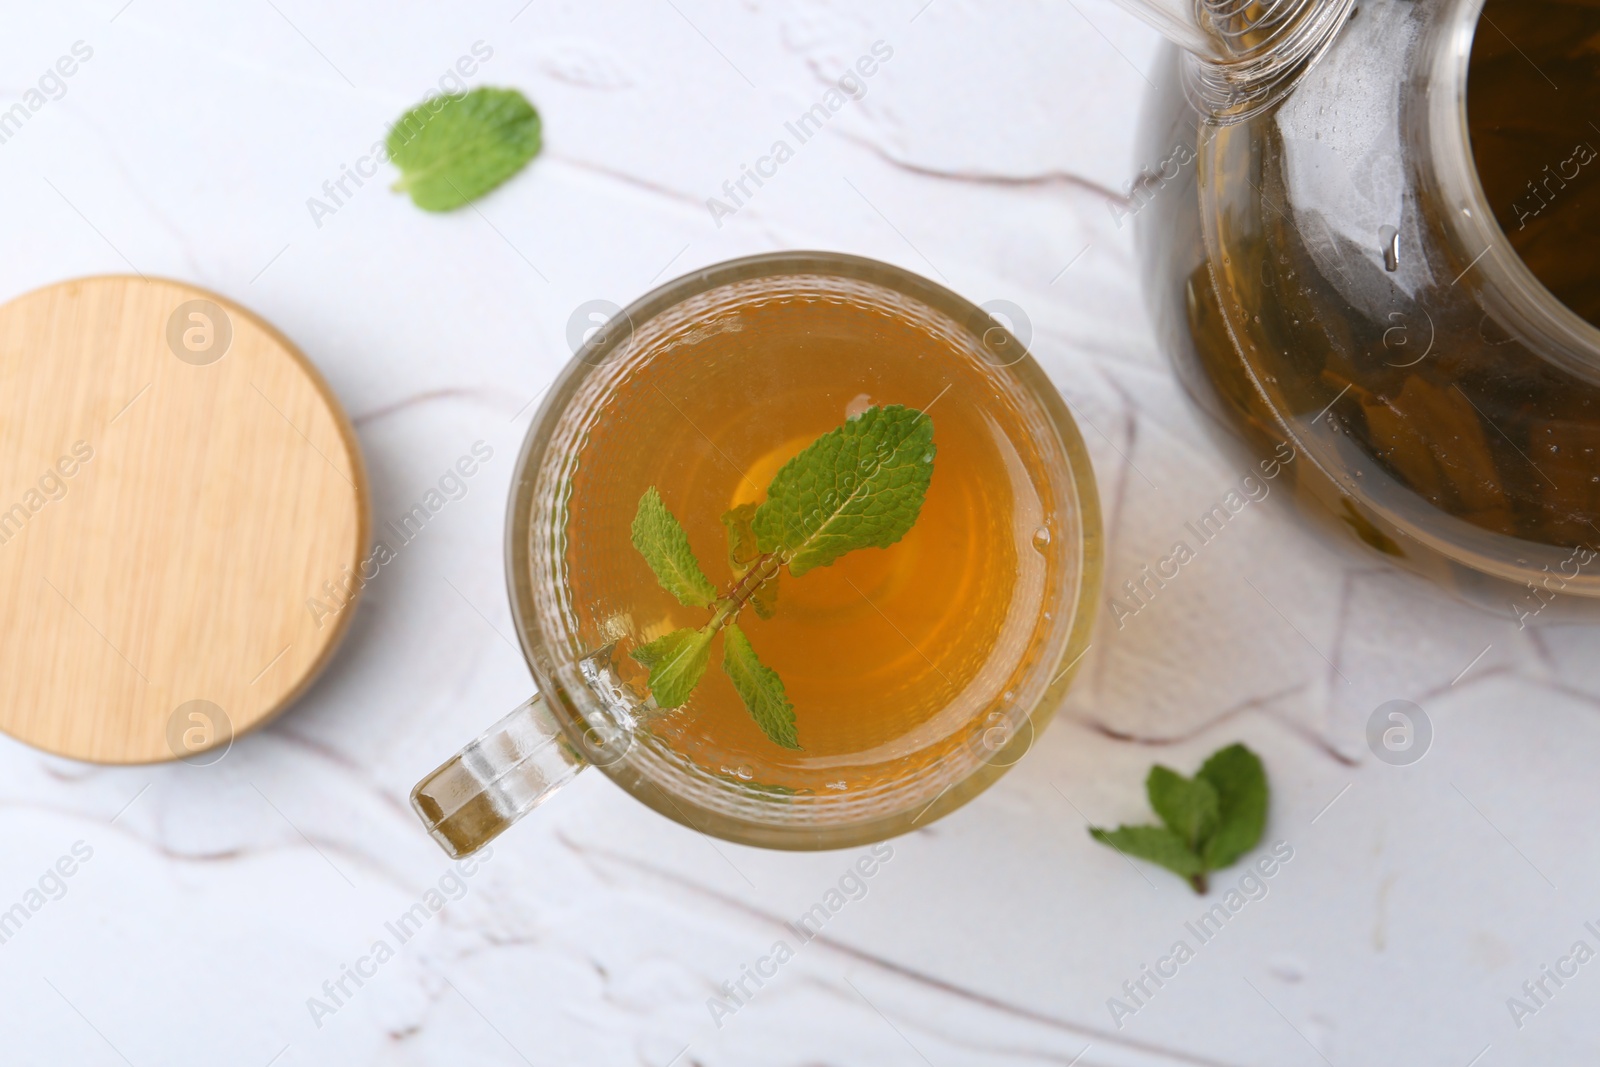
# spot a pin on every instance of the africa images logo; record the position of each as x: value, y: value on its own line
x: 51, y: 487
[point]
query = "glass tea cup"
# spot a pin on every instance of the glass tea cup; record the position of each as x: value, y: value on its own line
x: 696, y: 382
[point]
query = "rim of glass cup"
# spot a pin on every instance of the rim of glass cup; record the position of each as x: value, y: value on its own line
x: 641, y: 781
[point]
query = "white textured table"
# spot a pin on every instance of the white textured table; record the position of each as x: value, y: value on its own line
x: 217, y: 901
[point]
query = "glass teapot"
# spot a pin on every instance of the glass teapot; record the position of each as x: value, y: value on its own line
x: 1332, y: 268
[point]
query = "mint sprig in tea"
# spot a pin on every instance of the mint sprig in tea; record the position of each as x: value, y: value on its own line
x: 816, y: 532
x: 858, y: 486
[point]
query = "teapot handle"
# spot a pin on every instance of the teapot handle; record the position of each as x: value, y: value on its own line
x: 512, y: 768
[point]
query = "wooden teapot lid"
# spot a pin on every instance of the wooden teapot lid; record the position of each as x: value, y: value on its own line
x: 177, y: 483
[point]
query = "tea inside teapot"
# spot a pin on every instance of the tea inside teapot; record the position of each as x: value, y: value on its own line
x: 1413, y: 309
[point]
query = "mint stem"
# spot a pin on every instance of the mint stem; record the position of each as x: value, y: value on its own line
x: 765, y: 568
x: 1199, y: 883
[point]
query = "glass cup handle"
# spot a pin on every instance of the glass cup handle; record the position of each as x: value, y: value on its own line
x: 512, y: 768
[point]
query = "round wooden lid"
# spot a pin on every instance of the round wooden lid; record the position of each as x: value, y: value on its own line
x: 177, y: 483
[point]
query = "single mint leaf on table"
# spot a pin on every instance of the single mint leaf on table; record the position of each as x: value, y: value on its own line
x: 1241, y: 786
x: 677, y: 662
x: 759, y: 687
x: 859, y: 486
x: 1156, y: 844
x: 453, y: 149
x: 1211, y: 820
x: 1187, y: 805
x: 665, y: 547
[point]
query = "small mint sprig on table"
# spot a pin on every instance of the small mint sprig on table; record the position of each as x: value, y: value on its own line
x: 1209, y: 821
x: 860, y: 485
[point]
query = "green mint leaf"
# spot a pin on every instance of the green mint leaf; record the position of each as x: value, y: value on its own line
x: 744, y: 550
x: 858, y: 486
x: 663, y: 544
x: 452, y: 149
x: 742, y: 547
x: 1156, y: 844
x: 764, y: 788
x: 1212, y: 819
x: 1188, y: 806
x: 677, y: 662
x: 765, y: 598
x: 1241, y: 786
x: 759, y: 687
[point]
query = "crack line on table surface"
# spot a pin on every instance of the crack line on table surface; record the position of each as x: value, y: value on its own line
x: 1130, y: 415
x: 169, y: 852
x: 360, y: 772
x: 364, y: 785
x: 1129, y: 435
x: 1253, y: 705
x: 1534, y: 639
x: 107, y: 144
x: 992, y: 1050
x: 988, y: 178
x: 163, y: 850
x: 1130, y: 403
x: 930, y: 981
x: 1341, y: 618
x: 1076, y: 353
x: 1531, y: 642
x: 1555, y: 685
x: 371, y: 862
x: 1503, y: 670
x: 59, y: 775
x: 1530, y: 639
x: 1113, y: 517
x: 489, y: 397
x: 634, y: 180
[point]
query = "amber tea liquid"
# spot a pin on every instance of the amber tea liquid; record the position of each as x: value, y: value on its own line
x: 895, y: 659
x: 1533, y: 108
